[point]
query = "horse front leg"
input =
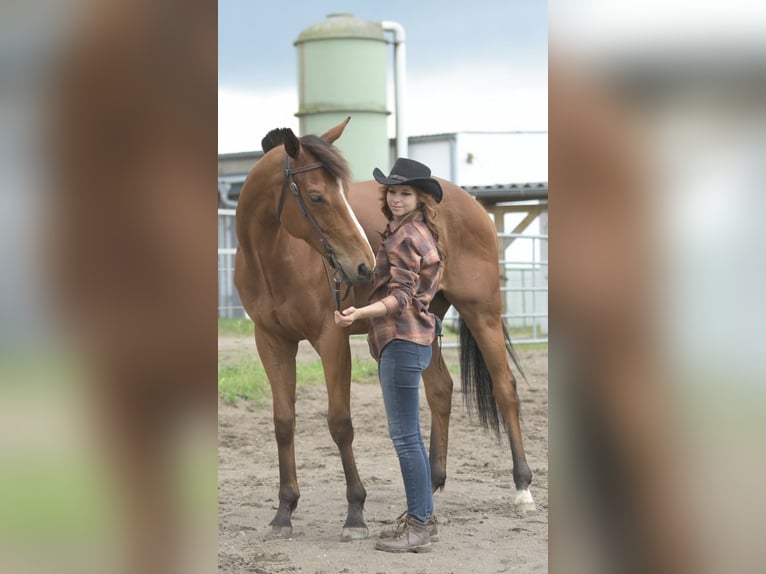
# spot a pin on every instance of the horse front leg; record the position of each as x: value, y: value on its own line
x: 278, y: 357
x: 438, y: 385
x: 336, y: 362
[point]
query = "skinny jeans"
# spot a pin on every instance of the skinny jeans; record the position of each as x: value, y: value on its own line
x: 399, y: 369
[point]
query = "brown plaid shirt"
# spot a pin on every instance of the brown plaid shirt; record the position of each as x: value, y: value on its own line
x: 407, y: 270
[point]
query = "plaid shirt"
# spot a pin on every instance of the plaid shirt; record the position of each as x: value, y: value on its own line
x: 407, y: 270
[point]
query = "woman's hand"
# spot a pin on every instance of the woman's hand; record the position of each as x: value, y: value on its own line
x: 350, y: 314
x: 346, y: 317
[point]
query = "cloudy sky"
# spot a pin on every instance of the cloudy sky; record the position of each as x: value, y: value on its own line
x: 486, y: 58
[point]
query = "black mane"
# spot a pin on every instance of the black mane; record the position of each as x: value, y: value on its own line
x: 274, y: 138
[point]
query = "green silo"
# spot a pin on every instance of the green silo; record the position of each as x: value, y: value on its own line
x: 342, y: 66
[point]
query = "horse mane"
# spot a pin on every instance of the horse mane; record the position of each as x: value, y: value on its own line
x: 329, y: 155
x: 274, y: 138
x: 324, y: 151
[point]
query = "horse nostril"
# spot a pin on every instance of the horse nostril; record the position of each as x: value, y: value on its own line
x: 364, y: 271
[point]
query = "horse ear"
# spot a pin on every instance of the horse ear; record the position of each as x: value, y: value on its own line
x: 292, y: 144
x: 334, y: 133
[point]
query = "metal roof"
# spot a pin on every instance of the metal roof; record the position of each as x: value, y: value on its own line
x: 507, y: 192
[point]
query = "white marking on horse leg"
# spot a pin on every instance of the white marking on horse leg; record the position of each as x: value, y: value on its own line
x: 353, y: 217
x: 524, y: 500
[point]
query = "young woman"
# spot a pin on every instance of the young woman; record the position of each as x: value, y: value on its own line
x: 401, y: 330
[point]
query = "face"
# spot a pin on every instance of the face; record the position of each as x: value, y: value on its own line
x: 402, y: 200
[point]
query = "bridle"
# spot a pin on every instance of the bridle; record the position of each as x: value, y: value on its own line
x: 329, y: 253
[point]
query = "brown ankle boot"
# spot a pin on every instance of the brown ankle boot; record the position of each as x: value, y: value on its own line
x: 413, y: 536
x: 401, y: 520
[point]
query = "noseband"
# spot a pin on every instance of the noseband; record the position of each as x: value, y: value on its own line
x: 329, y: 252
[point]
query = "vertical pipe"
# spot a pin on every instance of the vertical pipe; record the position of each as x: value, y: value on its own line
x: 400, y: 72
x: 534, y: 288
x: 453, y: 158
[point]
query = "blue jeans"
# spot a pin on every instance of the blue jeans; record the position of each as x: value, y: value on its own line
x: 400, y: 368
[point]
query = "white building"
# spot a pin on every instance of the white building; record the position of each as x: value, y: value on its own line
x: 484, y: 158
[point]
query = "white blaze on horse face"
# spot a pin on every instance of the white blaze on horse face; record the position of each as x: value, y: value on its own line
x: 355, y: 220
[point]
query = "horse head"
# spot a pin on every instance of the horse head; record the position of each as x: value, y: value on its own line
x: 313, y: 203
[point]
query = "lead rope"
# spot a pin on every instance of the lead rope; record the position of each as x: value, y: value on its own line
x: 335, y: 289
x: 334, y: 285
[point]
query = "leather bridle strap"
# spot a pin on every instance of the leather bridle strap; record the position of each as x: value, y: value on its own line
x: 329, y: 252
x: 288, y: 178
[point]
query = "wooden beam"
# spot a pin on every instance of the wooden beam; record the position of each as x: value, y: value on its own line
x: 534, y: 213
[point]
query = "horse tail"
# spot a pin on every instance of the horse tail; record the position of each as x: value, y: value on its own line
x: 476, y: 380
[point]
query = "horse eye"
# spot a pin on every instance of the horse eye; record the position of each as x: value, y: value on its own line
x: 315, y: 197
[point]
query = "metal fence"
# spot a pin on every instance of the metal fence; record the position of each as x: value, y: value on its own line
x: 229, y: 303
x: 524, y: 285
x: 524, y: 281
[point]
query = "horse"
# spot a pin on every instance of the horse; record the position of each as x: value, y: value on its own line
x: 304, y: 254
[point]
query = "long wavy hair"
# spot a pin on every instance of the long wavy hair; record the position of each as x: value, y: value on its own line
x: 427, y: 206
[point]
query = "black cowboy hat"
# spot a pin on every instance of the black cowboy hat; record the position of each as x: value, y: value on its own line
x: 410, y: 172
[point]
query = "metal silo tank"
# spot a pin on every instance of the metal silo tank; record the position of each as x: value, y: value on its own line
x: 342, y: 63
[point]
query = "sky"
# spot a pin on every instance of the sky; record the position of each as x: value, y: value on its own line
x: 489, y: 56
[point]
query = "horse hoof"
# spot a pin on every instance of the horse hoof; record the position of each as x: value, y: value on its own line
x: 355, y: 533
x: 282, y: 532
x: 524, y: 501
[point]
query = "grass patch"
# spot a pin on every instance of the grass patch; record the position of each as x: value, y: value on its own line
x: 235, y: 327
x: 364, y: 371
x: 524, y: 333
x: 247, y: 379
x: 529, y: 346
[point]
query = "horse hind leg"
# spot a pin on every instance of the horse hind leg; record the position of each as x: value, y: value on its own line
x: 483, y: 334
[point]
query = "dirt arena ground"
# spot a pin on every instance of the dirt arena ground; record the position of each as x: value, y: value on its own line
x: 480, y: 530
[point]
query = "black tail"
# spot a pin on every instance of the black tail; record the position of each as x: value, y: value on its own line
x: 476, y: 381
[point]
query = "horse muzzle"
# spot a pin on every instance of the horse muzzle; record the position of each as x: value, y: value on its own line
x: 355, y: 274
x: 364, y: 274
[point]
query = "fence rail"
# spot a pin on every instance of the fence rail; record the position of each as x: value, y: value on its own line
x: 524, y: 282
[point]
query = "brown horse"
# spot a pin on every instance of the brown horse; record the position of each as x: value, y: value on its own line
x: 289, y: 248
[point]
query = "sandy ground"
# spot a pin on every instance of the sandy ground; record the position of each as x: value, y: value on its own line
x: 480, y: 530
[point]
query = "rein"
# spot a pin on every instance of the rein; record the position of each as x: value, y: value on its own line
x: 329, y: 253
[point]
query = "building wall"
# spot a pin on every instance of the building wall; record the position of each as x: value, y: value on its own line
x: 436, y: 154
x: 238, y: 164
x: 482, y: 158
x: 487, y: 159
